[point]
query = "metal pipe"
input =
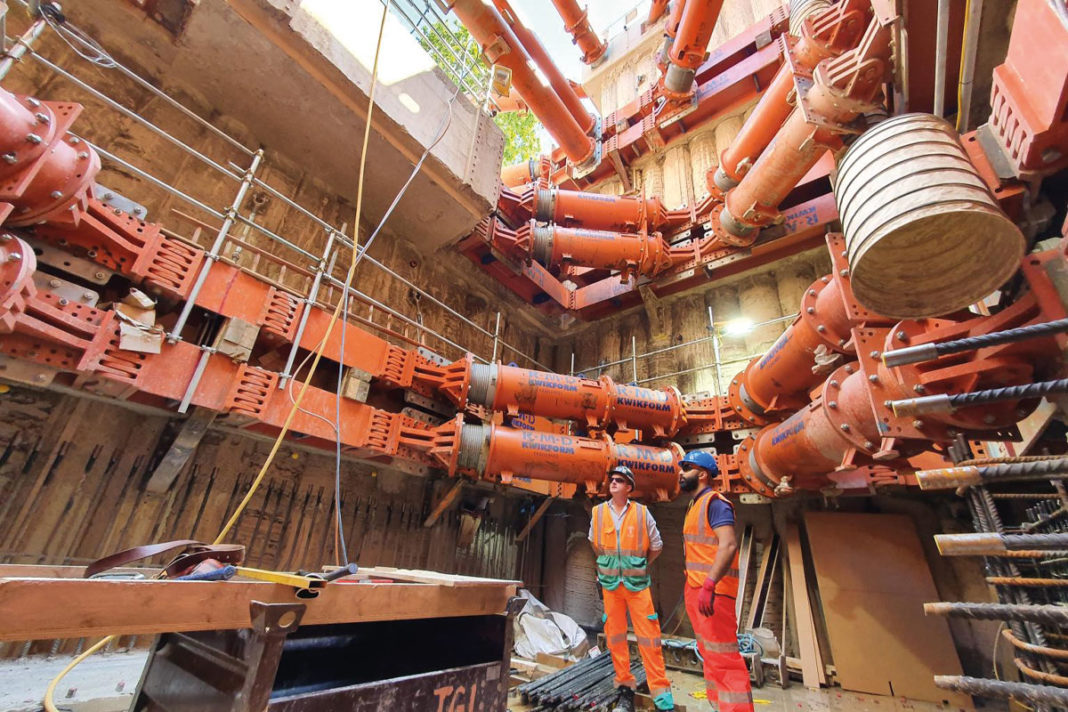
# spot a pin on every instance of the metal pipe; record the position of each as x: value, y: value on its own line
x: 718, y: 374
x: 941, y: 40
x: 992, y: 543
x: 974, y: 17
x: 309, y: 304
x: 945, y: 403
x: 155, y: 181
x: 577, y: 24
x: 238, y: 217
x: 1053, y: 615
x: 135, y: 116
x: 22, y: 45
x: 191, y: 389
x: 1037, y: 694
x: 210, y: 258
x: 970, y: 475
x: 496, y: 337
x: 929, y: 352
x: 634, y: 359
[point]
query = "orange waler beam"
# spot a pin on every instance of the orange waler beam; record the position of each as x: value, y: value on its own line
x: 500, y: 46
x: 659, y: 413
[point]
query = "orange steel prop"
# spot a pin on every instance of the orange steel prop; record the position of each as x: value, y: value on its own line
x: 578, y: 26
x: 689, y: 47
x: 500, y: 46
x: 671, y: 29
x: 505, y: 454
x: 827, y: 35
x: 843, y: 89
x: 656, y: 11
x: 520, y: 174
x: 643, y: 254
x: 599, y: 403
x: 596, y: 211
x: 537, y: 52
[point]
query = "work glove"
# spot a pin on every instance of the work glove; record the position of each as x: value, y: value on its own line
x: 706, y: 599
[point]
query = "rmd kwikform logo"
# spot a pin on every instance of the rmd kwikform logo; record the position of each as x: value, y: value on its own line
x: 645, y: 459
x: 785, y: 433
x: 552, y: 380
x: 643, y: 398
x: 546, y: 442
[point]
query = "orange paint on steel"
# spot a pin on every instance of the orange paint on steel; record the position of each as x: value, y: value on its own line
x: 690, y: 46
x: 597, y: 403
x: 578, y: 26
x: 500, y: 46
x: 519, y: 174
x: 656, y: 11
x: 815, y: 440
x: 644, y: 254
x: 596, y: 211
x: 497, y: 452
x: 537, y: 52
x: 757, y: 132
x: 782, y: 378
x: 670, y: 30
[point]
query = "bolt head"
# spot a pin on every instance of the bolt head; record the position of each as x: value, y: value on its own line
x: 33, y: 138
x: 14, y: 257
x: 811, y: 310
x: 32, y: 102
x: 902, y: 336
x: 812, y: 292
x: 56, y: 194
x: 83, y: 155
x: 63, y: 301
x: 74, y: 140
x: 821, y: 328
x: 918, y: 424
x: 845, y: 427
x: 100, y: 275
x: 919, y: 388
x: 7, y: 237
x: 874, y: 354
x: 849, y: 369
x: 825, y: 280
x: 832, y: 405
x: 10, y: 158
x: 868, y: 444
x: 53, y: 283
x: 42, y: 118
x: 873, y: 378
x: 844, y: 272
x: 88, y: 296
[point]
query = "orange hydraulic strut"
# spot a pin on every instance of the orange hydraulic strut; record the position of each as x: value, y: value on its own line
x: 595, y: 211
x: 537, y: 52
x: 843, y: 88
x: 829, y: 34
x: 500, y: 46
x: 689, y: 48
x: 578, y: 26
x: 502, y: 454
x: 659, y: 413
x: 641, y: 253
x: 523, y: 173
x: 656, y: 11
x: 671, y: 29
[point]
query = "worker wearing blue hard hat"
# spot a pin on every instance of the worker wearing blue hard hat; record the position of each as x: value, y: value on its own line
x: 711, y: 554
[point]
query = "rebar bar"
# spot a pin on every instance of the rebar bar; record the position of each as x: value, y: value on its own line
x: 953, y: 477
x: 1027, y: 582
x: 947, y: 403
x: 928, y: 352
x: 999, y: 689
x: 1053, y: 615
x: 987, y: 543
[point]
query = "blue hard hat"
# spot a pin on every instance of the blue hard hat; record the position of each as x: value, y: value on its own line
x: 702, y: 459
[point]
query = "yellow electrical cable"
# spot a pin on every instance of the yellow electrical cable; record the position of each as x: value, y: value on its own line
x: 49, y: 705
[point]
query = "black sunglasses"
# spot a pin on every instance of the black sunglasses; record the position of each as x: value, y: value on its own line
x: 621, y: 480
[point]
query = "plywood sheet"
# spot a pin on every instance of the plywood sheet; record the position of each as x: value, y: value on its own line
x: 873, y: 580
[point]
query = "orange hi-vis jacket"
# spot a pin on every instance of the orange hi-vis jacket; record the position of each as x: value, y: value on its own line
x: 622, y: 556
x: 702, y: 544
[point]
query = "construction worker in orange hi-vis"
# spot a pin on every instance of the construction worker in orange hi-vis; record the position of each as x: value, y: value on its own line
x: 712, y: 584
x: 626, y: 540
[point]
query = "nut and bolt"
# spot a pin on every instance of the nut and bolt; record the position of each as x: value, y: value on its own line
x: 875, y: 354
x: 918, y: 424
x: 34, y: 139
x: 821, y: 328
x: 83, y: 155
x: 868, y: 444
x: 56, y: 194
x: 63, y: 301
x: 844, y: 272
x: 32, y: 102
x: 845, y: 427
x: 10, y: 158
x: 42, y: 118
x: 873, y: 378
x: 99, y: 275
x: 7, y: 237
x: 834, y: 383
x: 812, y: 292
x: 919, y: 388
x: 810, y: 310
x: 74, y: 140
x: 825, y: 280
x: 849, y: 369
x: 53, y: 283
x: 832, y: 405
x: 14, y: 257
x: 88, y: 296
x: 902, y: 336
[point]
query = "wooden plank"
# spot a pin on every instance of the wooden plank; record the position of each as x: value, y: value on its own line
x: 812, y: 666
x: 553, y: 661
x: 873, y: 592
x: 66, y: 608
x: 744, y: 560
x: 444, y: 503
x: 432, y: 577
x: 763, y: 581
x: 534, y: 519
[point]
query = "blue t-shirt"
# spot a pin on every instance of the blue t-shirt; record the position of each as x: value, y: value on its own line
x: 720, y: 514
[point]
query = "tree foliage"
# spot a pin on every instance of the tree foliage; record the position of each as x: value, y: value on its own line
x: 460, y: 57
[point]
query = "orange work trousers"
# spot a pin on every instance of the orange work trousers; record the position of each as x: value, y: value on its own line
x: 646, y: 628
x: 726, y: 676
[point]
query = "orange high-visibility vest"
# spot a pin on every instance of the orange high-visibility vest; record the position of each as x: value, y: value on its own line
x: 622, y: 554
x: 702, y: 544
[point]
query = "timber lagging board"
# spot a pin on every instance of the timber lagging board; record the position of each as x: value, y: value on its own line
x: 873, y: 580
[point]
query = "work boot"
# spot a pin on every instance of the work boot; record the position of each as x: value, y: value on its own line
x: 625, y: 701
